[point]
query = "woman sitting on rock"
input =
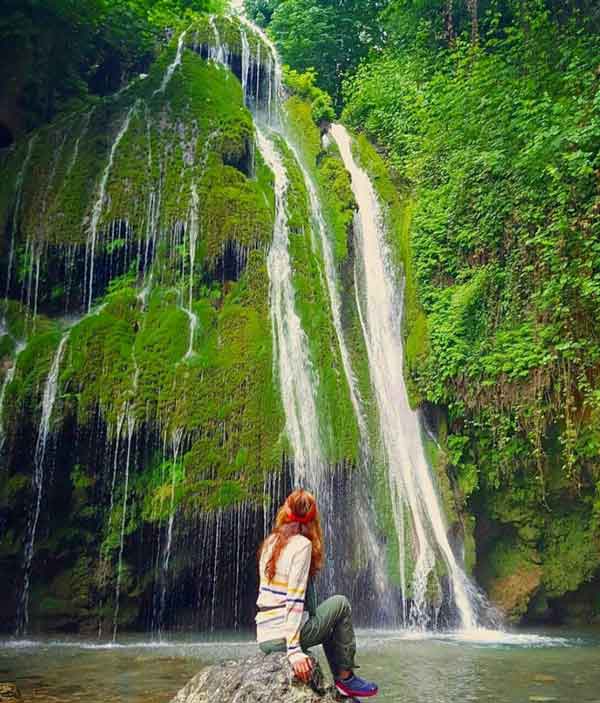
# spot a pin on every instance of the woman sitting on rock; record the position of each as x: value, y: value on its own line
x: 288, y: 618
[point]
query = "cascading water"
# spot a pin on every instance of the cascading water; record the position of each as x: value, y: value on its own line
x: 217, y: 53
x: 16, y: 211
x: 246, y: 59
x: 130, y: 431
x: 293, y: 364
x: 173, y: 65
x: 297, y: 380
x: 48, y: 400
x: 175, y: 448
x: 99, y: 204
x: 331, y: 280
x: 8, y: 379
x: 410, y: 476
x: 193, y: 231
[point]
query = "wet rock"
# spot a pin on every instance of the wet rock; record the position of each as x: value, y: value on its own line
x: 261, y: 679
x: 512, y: 593
x: 9, y: 693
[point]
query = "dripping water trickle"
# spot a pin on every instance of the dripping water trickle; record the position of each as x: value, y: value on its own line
x: 99, y: 205
x: 39, y: 464
x: 16, y: 213
x: 130, y: 432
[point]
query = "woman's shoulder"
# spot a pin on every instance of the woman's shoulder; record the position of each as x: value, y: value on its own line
x: 299, y: 543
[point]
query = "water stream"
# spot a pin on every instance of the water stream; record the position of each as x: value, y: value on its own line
x: 48, y: 400
x: 99, y: 205
x: 295, y: 374
x: 173, y: 65
x: 16, y: 212
x: 8, y: 379
x: 130, y: 430
x: 380, y: 305
x: 193, y: 232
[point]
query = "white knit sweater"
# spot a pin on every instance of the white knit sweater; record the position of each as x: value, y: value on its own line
x: 281, y: 600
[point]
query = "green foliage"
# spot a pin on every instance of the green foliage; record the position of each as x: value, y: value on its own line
x: 329, y: 37
x: 57, y: 52
x: 571, y: 552
x: 495, y: 137
x: 507, y: 301
x: 304, y: 86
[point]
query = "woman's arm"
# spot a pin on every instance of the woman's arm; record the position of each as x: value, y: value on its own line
x: 296, y: 592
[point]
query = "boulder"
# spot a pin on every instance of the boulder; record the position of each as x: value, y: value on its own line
x: 261, y: 679
x: 9, y: 693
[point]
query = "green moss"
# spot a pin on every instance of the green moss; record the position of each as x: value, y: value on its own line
x: 7, y: 346
x: 335, y: 409
x: 234, y: 211
x: 98, y: 368
x: 571, y: 552
x: 23, y: 395
x: 438, y: 459
x: 328, y: 172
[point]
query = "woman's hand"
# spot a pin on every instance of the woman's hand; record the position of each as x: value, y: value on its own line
x: 303, y: 668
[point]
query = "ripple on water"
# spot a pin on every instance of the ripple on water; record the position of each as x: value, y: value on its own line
x: 412, y: 667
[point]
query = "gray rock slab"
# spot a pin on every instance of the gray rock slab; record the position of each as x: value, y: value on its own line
x: 260, y: 679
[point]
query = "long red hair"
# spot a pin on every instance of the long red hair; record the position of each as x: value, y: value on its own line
x: 300, y: 504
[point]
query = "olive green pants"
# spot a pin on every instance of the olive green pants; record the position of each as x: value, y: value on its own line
x: 330, y: 625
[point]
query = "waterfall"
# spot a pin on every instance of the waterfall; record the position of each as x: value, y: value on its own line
x: 297, y: 381
x: 193, y: 231
x: 99, y: 204
x: 130, y: 430
x: 291, y: 346
x: 409, y: 472
x: 175, y: 449
x: 16, y: 211
x: 152, y: 215
x: 331, y: 280
x: 217, y: 53
x: 245, y: 63
x: 49, y: 398
x: 84, y: 128
x: 8, y: 378
x: 172, y: 66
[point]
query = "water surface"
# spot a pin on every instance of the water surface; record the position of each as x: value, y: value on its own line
x: 410, y: 667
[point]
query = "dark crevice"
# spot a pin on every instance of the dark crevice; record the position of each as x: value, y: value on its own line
x: 6, y: 136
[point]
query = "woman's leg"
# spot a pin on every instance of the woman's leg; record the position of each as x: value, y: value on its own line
x: 331, y: 626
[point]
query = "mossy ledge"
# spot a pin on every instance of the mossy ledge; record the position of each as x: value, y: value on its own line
x: 138, y: 229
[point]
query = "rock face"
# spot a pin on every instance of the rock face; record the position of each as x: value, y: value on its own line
x: 9, y: 693
x: 260, y: 679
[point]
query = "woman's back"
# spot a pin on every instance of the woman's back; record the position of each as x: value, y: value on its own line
x: 281, y: 599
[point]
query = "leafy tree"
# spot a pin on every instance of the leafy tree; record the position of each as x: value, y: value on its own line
x: 53, y: 51
x: 328, y: 36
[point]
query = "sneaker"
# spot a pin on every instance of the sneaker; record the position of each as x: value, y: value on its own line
x: 355, y: 687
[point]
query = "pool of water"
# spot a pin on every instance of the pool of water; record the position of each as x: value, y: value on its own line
x: 410, y: 667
